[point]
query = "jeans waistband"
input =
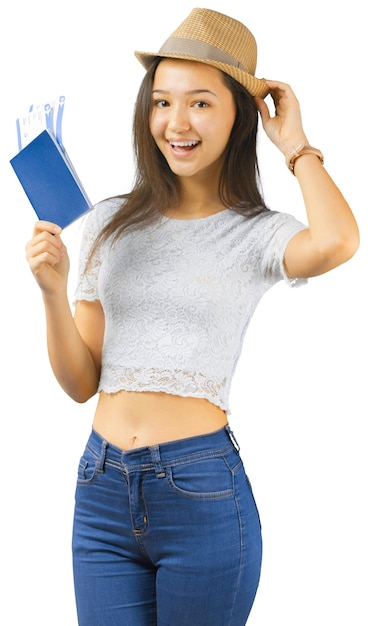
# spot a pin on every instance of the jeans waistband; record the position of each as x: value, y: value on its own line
x: 157, y: 455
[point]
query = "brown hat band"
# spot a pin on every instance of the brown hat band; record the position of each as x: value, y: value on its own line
x: 200, y: 49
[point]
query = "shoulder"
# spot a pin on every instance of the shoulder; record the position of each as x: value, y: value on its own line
x: 269, y: 224
x: 271, y: 219
x: 262, y: 224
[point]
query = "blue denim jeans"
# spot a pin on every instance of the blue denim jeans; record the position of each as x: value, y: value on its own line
x: 166, y: 535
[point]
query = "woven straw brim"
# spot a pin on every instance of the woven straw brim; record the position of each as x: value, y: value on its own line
x: 255, y: 86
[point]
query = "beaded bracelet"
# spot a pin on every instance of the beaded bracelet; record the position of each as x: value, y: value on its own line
x: 297, y: 151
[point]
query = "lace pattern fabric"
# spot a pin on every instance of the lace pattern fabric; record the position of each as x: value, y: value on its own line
x: 177, y: 382
x: 178, y: 296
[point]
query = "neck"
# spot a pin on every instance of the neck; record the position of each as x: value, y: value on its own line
x: 197, y: 200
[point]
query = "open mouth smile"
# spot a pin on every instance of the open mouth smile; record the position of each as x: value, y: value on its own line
x: 183, y: 146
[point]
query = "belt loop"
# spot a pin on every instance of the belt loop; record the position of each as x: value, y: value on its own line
x: 232, y: 438
x: 156, y: 460
x: 101, y: 461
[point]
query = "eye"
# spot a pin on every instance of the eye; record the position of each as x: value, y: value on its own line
x: 200, y: 104
x: 160, y: 103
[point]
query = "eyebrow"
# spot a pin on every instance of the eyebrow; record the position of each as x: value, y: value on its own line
x: 187, y: 93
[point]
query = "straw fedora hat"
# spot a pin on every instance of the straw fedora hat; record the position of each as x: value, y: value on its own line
x: 218, y: 40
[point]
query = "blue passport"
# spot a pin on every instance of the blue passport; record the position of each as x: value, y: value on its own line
x: 50, y: 181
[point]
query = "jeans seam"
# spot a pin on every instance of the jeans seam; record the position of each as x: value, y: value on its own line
x: 236, y: 585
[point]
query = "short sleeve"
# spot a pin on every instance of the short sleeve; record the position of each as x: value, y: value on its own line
x: 89, y: 266
x: 276, y: 231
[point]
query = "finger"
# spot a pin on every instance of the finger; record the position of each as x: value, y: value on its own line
x: 45, y: 245
x: 38, y: 257
x: 277, y: 84
x: 263, y: 110
x: 43, y: 225
x: 44, y: 236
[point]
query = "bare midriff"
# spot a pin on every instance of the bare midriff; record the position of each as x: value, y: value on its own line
x: 129, y: 419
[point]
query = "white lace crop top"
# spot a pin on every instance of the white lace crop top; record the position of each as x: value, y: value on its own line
x: 178, y: 296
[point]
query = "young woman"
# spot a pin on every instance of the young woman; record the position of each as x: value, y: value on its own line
x: 166, y: 528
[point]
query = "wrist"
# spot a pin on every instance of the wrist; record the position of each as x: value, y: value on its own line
x: 55, y: 298
x: 299, y: 150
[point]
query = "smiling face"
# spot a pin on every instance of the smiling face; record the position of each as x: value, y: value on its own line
x: 193, y: 113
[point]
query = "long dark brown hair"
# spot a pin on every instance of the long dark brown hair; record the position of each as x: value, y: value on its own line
x: 156, y: 187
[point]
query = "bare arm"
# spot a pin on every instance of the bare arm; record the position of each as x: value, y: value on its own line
x: 74, y: 344
x: 332, y: 237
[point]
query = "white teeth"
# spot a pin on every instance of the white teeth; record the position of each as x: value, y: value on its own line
x: 183, y: 144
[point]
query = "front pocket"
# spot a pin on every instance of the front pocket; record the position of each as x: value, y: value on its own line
x: 208, y: 478
x: 87, y: 468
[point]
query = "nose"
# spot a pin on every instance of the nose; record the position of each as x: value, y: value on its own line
x: 179, y: 119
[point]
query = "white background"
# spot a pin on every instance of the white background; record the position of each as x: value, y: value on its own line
x: 299, y: 399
